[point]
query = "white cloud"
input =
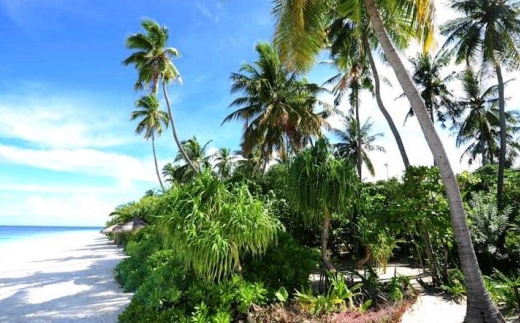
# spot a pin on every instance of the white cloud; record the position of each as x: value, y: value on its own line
x: 74, y: 209
x: 123, y: 168
x: 214, y: 13
x: 61, y: 122
x: 57, y: 189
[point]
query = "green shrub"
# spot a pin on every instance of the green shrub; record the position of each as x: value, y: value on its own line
x: 132, y: 271
x: 487, y: 226
x: 504, y: 289
x: 169, y: 294
x: 211, y: 226
x: 122, y: 238
x: 337, y: 298
x: 455, y: 286
x: 286, y: 264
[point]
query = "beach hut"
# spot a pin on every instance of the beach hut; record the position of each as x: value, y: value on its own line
x: 109, y: 229
x: 132, y: 225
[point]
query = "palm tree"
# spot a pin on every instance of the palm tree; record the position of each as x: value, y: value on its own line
x: 300, y: 29
x: 170, y: 173
x: 480, y: 128
x: 320, y: 184
x: 153, y: 61
x: 351, y: 43
x: 152, y: 119
x: 487, y: 33
x: 277, y: 106
x: 197, y: 154
x: 353, y: 77
x: 224, y: 162
x: 348, y: 145
x: 249, y: 165
x: 433, y: 87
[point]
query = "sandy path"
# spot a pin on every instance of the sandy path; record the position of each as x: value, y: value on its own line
x: 66, y: 278
x: 431, y: 308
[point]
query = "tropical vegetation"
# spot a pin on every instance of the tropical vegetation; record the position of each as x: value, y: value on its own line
x: 286, y: 229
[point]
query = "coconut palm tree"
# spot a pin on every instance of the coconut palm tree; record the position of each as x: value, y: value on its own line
x: 479, y: 127
x: 276, y: 106
x: 224, y: 162
x: 487, y: 33
x: 152, y: 120
x: 249, y: 165
x: 197, y: 154
x: 353, y: 77
x: 153, y: 61
x: 352, y: 40
x: 320, y: 184
x: 300, y: 30
x: 348, y: 145
x: 433, y: 87
x: 170, y: 173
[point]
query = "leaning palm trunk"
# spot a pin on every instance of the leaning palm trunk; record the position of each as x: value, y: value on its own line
x: 503, y: 136
x: 172, y: 122
x: 381, y: 105
x: 358, y: 139
x: 155, y: 161
x: 480, y: 307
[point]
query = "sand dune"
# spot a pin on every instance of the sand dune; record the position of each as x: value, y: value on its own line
x: 66, y: 278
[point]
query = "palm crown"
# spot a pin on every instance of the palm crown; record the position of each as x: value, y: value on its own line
x: 152, y: 117
x: 152, y: 59
x: 276, y: 106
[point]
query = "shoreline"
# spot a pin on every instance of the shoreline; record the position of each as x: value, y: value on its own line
x: 61, y: 278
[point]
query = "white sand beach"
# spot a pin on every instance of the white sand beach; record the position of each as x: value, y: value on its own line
x: 63, y: 278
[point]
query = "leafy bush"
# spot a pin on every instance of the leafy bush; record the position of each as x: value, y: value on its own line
x: 503, y: 289
x: 338, y: 297
x: 211, y: 226
x: 132, y: 271
x: 170, y: 295
x: 487, y: 226
x: 484, y: 180
x: 144, y: 209
x: 122, y: 238
x: 182, y: 268
x: 512, y: 244
x: 286, y: 264
x: 455, y: 286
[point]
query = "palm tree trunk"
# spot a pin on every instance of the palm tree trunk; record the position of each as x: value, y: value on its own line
x: 172, y: 122
x: 432, y: 262
x: 480, y: 307
x: 483, y: 144
x: 358, y: 130
x: 325, y: 240
x: 433, y: 122
x: 381, y: 105
x: 503, y: 135
x: 155, y: 161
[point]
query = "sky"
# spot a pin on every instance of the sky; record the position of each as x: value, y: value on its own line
x: 68, y: 152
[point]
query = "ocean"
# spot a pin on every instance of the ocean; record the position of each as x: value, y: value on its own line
x: 14, y: 233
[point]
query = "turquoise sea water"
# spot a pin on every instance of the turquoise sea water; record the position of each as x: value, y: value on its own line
x: 10, y: 233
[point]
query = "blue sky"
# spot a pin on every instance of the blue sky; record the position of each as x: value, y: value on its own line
x: 68, y: 153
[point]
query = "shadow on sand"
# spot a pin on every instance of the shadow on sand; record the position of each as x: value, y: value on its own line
x: 79, y: 288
